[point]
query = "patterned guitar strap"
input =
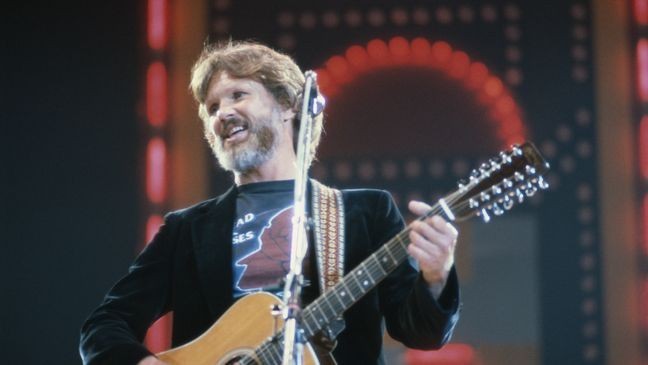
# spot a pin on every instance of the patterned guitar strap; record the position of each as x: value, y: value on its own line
x: 328, y: 227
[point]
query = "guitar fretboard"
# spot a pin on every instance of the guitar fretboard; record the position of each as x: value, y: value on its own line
x: 355, y: 284
x: 343, y: 295
x: 492, y: 189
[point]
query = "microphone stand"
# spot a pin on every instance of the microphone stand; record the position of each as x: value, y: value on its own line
x: 312, y: 105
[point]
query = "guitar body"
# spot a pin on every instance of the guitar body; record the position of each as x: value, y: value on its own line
x: 238, y: 332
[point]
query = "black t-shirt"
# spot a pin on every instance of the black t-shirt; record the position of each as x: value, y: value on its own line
x: 261, y: 237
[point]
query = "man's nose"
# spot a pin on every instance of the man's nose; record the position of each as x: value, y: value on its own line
x: 225, y: 112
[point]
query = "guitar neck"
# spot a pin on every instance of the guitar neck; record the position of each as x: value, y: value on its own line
x: 355, y: 284
x: 492, y: 189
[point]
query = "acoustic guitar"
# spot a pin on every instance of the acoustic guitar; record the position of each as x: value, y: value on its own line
x: 248, y: 334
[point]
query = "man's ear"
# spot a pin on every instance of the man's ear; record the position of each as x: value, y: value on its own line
x: 288, y: 115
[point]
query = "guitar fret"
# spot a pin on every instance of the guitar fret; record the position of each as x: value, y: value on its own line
x: 335, y: 293
x: 344, y: 284
x: 261, y: 353
x: 391, y: 255
x: 337, y: 305
x: 334, y: 311
x: 501, y: 174
x: 275, y: 353
x: 385, y: 260
x: 364, y: 271
x: 357, y: 281
x: 309, y: 328
x: 379, y: 265
x: 265, y: 355
x: 321, y: 315
x: 400, y: 240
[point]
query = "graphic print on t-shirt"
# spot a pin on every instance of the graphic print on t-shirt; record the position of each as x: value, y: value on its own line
x: 262, y: 251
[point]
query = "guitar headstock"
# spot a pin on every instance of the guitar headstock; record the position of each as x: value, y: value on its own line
x: 497, y: 185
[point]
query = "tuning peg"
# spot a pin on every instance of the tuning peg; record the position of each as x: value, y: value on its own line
x: 530, y: 170
x: 505, y: 158
x: 484, y: 197
x: 507, y: 183
x: 474, y: 175
x: 496, y: 190
x: 462, y: 183
x: 484, y: 170
x: 518, y: 176
x: 508, y: 202
x: 530, y: 189
x: 519, y: 195
x: 472, y: 203
x: 542, y: 183
x: 495, y: 166
x: 497, y: 210
x: 516, y: 150
x: 484, y: 215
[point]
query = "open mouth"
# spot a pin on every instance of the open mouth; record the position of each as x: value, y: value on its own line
x: 234, y: 132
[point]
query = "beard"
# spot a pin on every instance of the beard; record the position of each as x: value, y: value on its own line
x: 247, y: 155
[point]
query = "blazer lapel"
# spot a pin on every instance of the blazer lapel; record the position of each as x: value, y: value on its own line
x: 212, y: 239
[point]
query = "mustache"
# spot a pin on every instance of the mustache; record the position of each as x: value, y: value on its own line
x: 232, y: 123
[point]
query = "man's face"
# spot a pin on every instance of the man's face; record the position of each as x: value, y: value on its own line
x: 244, y: 124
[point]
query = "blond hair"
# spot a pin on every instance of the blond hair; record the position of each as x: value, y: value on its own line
x: 277, y: 72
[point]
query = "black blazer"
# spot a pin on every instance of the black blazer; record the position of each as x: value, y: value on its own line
x: 187, y: 269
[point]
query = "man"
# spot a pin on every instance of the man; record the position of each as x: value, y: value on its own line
x: 207, y: 256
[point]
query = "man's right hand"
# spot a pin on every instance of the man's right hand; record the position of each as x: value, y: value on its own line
x: 151, y: 360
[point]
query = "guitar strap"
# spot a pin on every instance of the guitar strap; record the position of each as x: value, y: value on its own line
x: 328, y: 227
x: 328, y: 219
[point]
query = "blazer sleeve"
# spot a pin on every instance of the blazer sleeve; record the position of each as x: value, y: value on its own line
x: 412, y: 315
x: 114, y: 331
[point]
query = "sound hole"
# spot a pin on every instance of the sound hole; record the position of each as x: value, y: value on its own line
x: 239, y: 357
x: 234, y: 361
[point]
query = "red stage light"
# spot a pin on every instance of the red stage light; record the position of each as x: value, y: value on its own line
x: 459, y: 64
x: 378, y: 51
x: 157, y: 337
x: 450, y: 354
x: 641, y: 12
x: 493, y: 87
x: 338, y: 68
x: 153, y: 224
x: 323, y: 78
x: 156, y: 170
x: 642, y: 69
x: 645, y: 233
x: 645, y: 227
x: 477, y: 75
x: 489, y: 90
x: 156, y: 94
x: 421, y: 50
x: 357, y: 57
x: 643, y: 146
x: 399, y: 48
x: 505, y: 105
x: 157, y: 24
x: 441, y: 52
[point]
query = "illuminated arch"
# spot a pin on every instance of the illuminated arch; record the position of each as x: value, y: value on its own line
x: 473, y: 76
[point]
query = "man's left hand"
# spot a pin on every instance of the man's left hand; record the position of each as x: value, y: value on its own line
x: 433, y: 242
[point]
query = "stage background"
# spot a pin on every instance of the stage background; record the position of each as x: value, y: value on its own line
x: 554, y: 282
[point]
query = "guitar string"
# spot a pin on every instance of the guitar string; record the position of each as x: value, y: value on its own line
x: 266, y: 348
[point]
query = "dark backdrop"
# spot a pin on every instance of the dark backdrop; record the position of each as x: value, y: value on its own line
x: 70, y: 186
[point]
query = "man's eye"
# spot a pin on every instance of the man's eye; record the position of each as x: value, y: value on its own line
x: 237, y: 95
x: 213, y: 109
